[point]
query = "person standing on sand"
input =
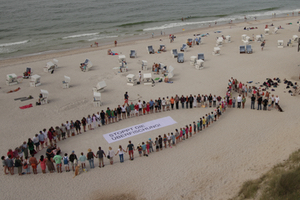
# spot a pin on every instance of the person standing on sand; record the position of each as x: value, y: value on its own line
x: 276, y: 101
x: 58, y: 160
x: 126, y: 97
x: 151, y: 143
x: 191, y: 100
x: 160, y: 142
x: 82, y: 160
x: 176, y: 101
x: 73, y: 157
x: 130, y: 149
x: 263, y: 45
x: 121, y: 153
x: 90, y: 157
x: 42, y: 163
x: 115, y: 43
x: 172, y: 100
x: 259, y: 101
x: 243, y: 101
x: 100, y: 154
x: 33, y: 162
x: 36, y: 142
x: 252, y: 101
x: 111, y: 154
x: 239, y: 100
x: 4, y: 164
x: 41, y: 139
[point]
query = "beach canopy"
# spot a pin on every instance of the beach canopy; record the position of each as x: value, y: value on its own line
x: 180, y: 58
x: 132, y: 54
x: 242, y: 49
x: 174, y: 53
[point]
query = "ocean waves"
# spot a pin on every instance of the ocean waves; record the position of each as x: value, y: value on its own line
x: 136, y: 23
x: 80, y: 35
x: 14, y: 43
x: 262, y: 13
x: 102, y: 37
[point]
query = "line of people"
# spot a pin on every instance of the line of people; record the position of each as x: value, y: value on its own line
x: 55, y: 160
x: 72, y: 128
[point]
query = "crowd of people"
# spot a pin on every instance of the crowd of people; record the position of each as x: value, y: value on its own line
x: 259, y: 96
x: 23, y: 157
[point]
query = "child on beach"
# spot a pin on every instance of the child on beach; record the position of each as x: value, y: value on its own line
x: 144, y: 147
x: 169, y: 139
x: 207, y: 120
x: 165, y: 140
x: 186, y: 132
x: 66, y: 162
x: 203, y: 122
x: 183, y: 133
x: 212, y: 117
x: 140, y: 149
x: 173, y: 139
x: 151, y: 145
x: 195, y: 127
x: 156, y: 144
x: 160, y: 141
x: 4, y: 165
x: 177, y: 134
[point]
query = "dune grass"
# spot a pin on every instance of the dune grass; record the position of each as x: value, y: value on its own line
x: 282, y: 182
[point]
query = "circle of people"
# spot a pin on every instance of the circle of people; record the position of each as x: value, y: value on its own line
x: 19, y: 158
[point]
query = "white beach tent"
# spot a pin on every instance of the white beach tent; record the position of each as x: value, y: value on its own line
x: 295, y: 38
x: 170, y: 72
x: 228, y: 38
x: 216, y: 51
x: 100, y: 87
x: 193, y: 60
x: 144, y: 65
x: 219, y: 41
x: 244, y: 37
x: 280, y: 43
x: 44, y: 99
x: 66, y: 82
x: 97, y: 99
x: 199, y: 64
x: 258, y: 38
x: 131, y: 80
x: 174, y: 53
x: 11, y: 79
x: 267, y: 31
x: 35, y: 80
x: 147, y: 79
x: 122, y: 58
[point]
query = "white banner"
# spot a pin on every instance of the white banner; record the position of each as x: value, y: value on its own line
x: 138, y: 129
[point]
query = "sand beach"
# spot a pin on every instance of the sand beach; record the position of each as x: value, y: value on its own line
x: 241, y: 145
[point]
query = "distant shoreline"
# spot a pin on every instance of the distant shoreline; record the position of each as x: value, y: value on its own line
x: 132, y: 40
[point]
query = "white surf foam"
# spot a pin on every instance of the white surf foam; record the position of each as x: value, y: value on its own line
x: 80, y: 35
x: 13, y: 43
x: 102, y: 37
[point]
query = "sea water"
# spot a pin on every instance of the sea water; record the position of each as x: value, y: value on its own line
x: 39, y: 26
